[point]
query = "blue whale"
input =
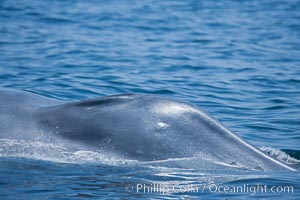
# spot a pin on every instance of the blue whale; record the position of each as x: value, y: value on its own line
x: 135, y: 126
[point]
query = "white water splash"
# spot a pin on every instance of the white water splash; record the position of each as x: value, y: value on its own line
x: 59, y: 153
x: 279, y: 155
x: 51, y: 152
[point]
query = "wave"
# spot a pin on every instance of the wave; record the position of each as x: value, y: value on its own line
x: 280, y: 155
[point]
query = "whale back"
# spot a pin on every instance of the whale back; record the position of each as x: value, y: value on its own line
x: 17, y: 109
x: 149, y: 127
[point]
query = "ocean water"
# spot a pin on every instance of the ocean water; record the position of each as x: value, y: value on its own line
x: 237, y: 60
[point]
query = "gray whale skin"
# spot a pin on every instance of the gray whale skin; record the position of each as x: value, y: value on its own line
x: 134, y: 126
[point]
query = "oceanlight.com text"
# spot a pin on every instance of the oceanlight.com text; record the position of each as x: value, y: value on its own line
x: 210, y: 188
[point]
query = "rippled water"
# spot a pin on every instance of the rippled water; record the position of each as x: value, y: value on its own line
x: 238, y: 60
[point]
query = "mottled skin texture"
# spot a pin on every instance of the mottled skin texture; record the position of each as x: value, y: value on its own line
x: 139, y: 127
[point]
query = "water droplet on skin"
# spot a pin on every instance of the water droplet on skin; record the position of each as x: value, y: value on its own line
x: 162, y: 125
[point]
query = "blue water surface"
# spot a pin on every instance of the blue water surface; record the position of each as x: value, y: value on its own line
x: 237, y: 60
